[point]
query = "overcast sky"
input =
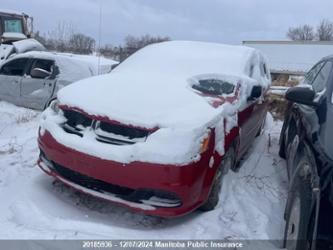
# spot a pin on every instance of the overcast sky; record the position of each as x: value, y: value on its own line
x: 226, y: 21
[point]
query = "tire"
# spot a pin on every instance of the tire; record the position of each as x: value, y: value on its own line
x: 226, y: 164
x: 298, y: 217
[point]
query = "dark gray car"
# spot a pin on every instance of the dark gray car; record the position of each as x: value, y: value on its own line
x: 306, y: 143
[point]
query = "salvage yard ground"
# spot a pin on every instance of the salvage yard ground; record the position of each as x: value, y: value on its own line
x: 33, y: 206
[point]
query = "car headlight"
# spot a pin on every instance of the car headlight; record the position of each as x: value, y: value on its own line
x: 54, y: 105
x: 205, y: 143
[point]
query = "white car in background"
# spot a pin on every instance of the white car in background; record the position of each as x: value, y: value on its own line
x: 33, y: 78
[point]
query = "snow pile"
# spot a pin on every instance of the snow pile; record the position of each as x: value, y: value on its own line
x: 32, y: 207
x: 13, y: 35
x: 28, y: 45
x: 152, y: 89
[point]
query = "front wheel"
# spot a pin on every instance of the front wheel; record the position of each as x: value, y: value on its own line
x: 214, y: 195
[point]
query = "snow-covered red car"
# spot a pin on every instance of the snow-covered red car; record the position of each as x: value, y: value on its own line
x: 159, y: 132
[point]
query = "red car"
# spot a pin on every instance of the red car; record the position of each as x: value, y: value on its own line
x: 158, y: 133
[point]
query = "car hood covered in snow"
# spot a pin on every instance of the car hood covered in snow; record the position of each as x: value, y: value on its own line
x: 153, y: 87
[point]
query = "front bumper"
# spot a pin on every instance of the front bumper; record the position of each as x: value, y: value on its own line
x: 183, y: 188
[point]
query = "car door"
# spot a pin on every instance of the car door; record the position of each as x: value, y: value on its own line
x: 249, y: 121
x: 328, y: 143
x: 251, y: 118
x: 11, y: 74
x: 314, y: 119
x: 320, y: 118
x: 36, y: 90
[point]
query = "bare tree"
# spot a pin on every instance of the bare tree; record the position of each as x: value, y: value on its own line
x: 301, y: 33
x: 325, y: 30
x: 137, y: 43
x: 132, y: 44
x: 81, y: 44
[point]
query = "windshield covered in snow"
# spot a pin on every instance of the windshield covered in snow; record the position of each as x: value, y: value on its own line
x: 214, y: 87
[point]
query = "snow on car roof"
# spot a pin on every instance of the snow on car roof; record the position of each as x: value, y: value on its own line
x: 72, y: 67
x: 105, y: 64
x: 193, y: 58
x: 11, y: 12
x: 151, y: 88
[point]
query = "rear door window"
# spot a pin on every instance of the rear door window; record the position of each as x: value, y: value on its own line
x: 15, y: 68
x: 319, y: 83
x: 311, y: 75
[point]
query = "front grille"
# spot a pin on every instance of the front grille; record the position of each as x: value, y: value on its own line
x: 155, y: 198
x: 76, y: 122
x: 131, y: 133
x: 105, y: 132
x: 91, y: 183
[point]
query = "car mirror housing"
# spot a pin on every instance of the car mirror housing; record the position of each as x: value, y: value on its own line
x: 301, y: 95
x: 39, y: 73
x: 256, y: 92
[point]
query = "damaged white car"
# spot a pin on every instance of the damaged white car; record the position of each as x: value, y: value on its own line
x: 33, y: 78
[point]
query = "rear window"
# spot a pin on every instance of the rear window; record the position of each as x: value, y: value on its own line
x: 214, y: 87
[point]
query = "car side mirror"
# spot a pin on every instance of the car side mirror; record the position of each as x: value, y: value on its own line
x: 301, y: 95
x: 256, y: 92
x: 39, y: 73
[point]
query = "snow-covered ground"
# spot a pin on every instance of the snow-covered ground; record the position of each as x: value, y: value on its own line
x: 33, y: 206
